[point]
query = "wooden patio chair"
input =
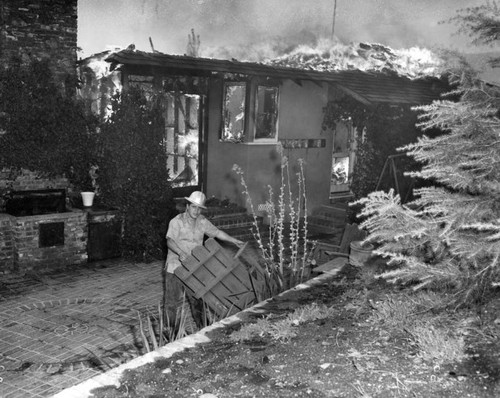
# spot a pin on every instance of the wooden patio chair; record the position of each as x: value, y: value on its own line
x: 329, y: 256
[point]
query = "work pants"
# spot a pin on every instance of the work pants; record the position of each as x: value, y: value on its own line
x: 178, y: 300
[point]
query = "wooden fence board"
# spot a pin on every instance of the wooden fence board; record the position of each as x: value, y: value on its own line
x: 222, y: 281
x: 223, y: 261
x: 197, y: 259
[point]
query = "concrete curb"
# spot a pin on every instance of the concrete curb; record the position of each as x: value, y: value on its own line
x: 112, y: 377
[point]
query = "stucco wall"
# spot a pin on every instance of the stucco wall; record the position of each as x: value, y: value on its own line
x: 300, y: 117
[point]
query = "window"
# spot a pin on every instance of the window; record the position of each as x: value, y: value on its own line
x: 259, y: 104
x: 342, y: 157
x: 233, y: 129
x: 266, y: 113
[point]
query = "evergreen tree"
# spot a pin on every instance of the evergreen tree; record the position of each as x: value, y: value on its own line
x: 449, y: 237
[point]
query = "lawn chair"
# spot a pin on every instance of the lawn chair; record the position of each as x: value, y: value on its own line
x: 329, y: 256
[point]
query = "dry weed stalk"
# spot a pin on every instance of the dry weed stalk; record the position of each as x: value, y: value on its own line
x: 281, y: 254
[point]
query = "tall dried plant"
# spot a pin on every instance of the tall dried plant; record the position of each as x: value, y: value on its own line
x: 274, y: 279
x: 285, y: 266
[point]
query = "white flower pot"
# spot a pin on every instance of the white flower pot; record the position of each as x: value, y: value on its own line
x: 88, y: 198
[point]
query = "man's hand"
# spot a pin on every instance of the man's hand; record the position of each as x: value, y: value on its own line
x: 183, y: 256
x: 239, y: 243
x: 241, y: 246
x: 173, y: 246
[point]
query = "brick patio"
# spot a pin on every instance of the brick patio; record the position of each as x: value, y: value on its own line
x: 53, y: 326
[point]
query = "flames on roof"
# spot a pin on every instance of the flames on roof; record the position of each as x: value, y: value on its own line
x: 325, y: 57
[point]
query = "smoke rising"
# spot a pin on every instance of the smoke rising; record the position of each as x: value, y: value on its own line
x: 232, y: 27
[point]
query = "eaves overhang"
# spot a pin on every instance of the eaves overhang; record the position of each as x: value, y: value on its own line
x: 367, y: 86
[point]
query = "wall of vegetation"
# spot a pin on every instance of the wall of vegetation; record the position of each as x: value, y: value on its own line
x: 41, y: 128
x: 44, y: 130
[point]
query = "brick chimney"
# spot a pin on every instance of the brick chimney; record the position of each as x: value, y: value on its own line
x: 40, y: 29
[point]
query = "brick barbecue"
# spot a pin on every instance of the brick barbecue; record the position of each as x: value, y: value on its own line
x: 38, y: 231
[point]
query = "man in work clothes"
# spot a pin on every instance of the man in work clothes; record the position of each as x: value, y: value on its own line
x: 185, y: 232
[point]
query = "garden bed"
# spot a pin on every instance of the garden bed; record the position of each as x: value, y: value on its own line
x: 351, y: 335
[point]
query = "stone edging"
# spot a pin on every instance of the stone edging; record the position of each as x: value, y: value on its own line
x: 112, y: 377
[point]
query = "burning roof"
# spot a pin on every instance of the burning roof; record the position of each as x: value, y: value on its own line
x: 372, y: 73
x: 411, y: 63
x: 325, y: 56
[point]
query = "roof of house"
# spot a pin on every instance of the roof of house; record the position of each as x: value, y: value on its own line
x: 368, y: 86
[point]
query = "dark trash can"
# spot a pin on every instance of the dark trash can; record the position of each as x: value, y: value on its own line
x: 104, y: 234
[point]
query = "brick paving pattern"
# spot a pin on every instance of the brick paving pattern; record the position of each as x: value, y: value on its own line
x: 59, y: 329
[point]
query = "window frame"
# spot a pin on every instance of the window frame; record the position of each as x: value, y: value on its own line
x: 256, y: 113
x: 225, y: 85
x: 250, y: 110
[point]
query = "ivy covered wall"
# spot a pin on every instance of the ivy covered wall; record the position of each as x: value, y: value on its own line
x: 35, y: 30
x: 43, y: 130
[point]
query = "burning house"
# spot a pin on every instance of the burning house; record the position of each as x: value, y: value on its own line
x: 224, y: 112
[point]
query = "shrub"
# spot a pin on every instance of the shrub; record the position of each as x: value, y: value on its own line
x: 133, y: 176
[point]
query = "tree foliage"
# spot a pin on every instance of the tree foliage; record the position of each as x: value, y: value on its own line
x: 449, y: 236
x: 46, y: 131
x: 133, y: 176
x: 41, y: 129
x: 480, y: 23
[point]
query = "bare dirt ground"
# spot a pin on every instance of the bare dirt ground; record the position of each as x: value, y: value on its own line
x: 350, y: 353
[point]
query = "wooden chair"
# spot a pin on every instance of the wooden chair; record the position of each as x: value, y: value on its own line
x: 328, y: 255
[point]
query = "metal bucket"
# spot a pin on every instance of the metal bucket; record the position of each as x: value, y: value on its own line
x: 360, y: 253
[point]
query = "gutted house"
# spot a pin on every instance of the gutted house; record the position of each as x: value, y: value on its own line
x: 219, y: 113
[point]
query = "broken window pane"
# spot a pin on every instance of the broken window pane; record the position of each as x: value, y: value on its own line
x: 182, y: 137
x: 233, y: 116
x: 266, y: 120
x: 340, y: 170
